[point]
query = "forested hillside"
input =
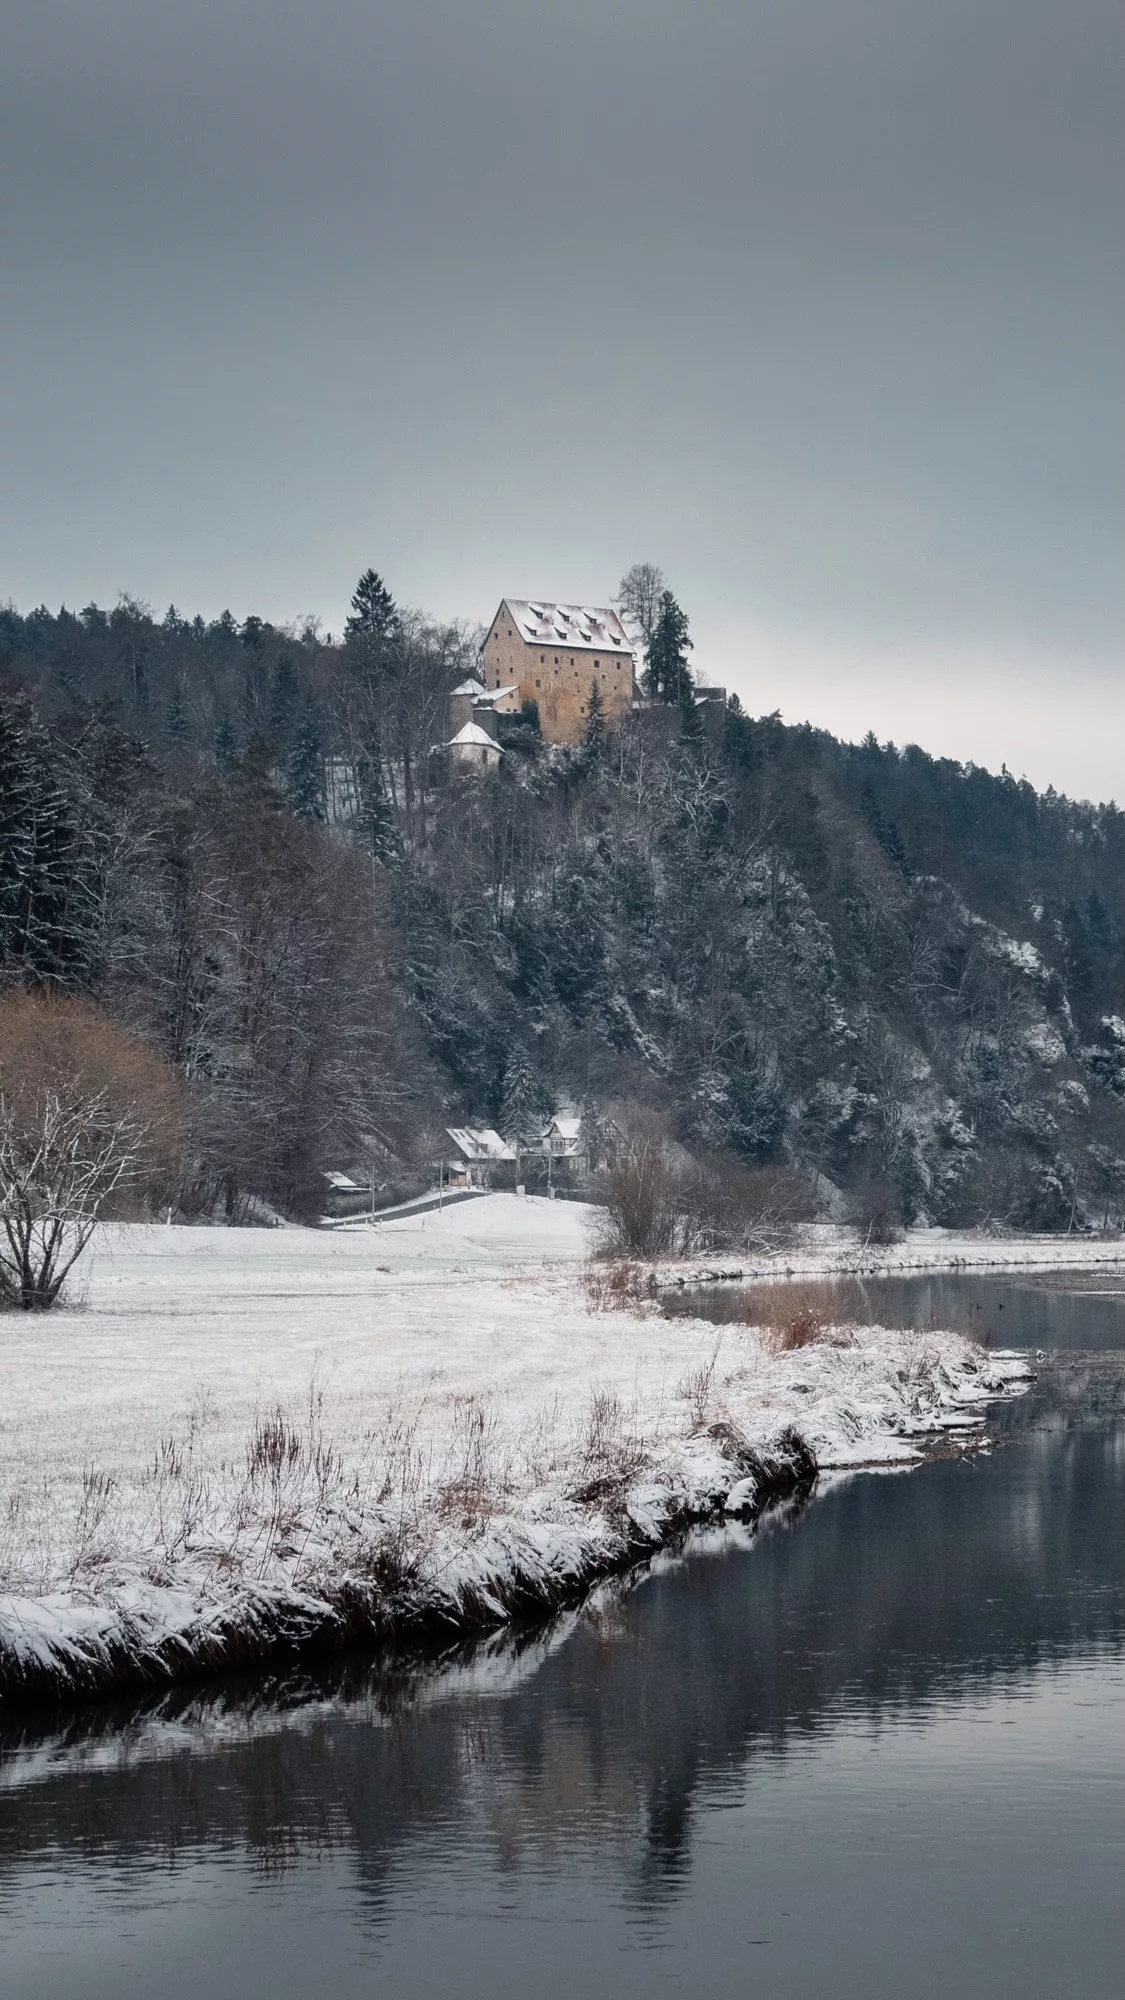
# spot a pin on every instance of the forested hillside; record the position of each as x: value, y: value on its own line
x: 885, y: 970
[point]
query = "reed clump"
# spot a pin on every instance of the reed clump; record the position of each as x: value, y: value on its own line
x: 617, y: 1285
x: 794, y: 1316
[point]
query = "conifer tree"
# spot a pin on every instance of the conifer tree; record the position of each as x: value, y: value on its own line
x: 594, y: 742
x: 374, y: 619
x: 43, y: 855
x: 226, y: 744
x: 283, y: 700
x: 306, y: 768
x: 524, y: 1104
x: 177, y: 715
x: 666, y: 665
x: 376, y: 816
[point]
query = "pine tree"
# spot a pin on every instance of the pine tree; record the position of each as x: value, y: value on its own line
x: 594, y: 743
x: 666, y: 667
x: 374, y: 615
x: 376, y: 816
x: 226, y: 744
x: 306, y: 768
x: 524, y: 1104
x: 283, y: 700
x: 177, y: 715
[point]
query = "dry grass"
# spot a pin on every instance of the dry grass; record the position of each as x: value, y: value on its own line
x: 617, y: 1285
x: 697, y: 1389
x: 473, y: 1487
x: 789, y: 1315
x: 794, y: 1316
x: 610, y: 1455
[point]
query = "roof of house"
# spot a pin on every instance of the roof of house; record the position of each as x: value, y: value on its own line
x: 594, y: 628
x: 473, y: 733
x: 472, y: 686
x: 492, y: 695
x: 480, y: 1142
x: 568, y: 1126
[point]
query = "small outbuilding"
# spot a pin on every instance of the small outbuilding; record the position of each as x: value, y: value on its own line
x: 473, y: 746
x: 471, y: 701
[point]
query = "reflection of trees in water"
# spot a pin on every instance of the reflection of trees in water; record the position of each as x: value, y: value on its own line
x: 891, y: 1592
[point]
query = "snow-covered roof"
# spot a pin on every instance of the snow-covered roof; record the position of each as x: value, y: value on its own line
x: 567, y: 1126
x: 493, y: 695
x: 480, y: 1142
x: 595, y: 628
x: 472, y: 687
x: 473, y: 733
x: 342, y: 1183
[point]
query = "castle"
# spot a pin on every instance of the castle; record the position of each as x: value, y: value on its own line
x: 552, y: 654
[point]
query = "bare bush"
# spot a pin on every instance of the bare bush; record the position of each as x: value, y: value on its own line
x: 658, y: 1200
x: 641, y: 1194
x: 728, y: 1206
x: 795, y: 1316
x: 87, y: 1115
x: 875, y: 1211
x: 471, y: 1490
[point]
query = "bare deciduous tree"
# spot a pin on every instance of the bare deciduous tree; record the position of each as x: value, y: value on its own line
x: 86, y: 1111
x: 638, y: 597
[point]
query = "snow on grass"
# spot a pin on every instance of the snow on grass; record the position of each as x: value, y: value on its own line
x: 240, y: 1439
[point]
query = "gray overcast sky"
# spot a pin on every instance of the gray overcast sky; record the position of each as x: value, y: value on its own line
x: 817, y: 303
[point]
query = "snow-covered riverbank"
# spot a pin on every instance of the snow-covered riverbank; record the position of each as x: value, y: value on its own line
x: 238, y: 1440
x: 830, y: 1250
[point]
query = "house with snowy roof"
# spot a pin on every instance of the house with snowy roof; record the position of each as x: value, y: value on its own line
x: 477, y: 1153
x: 552, y: 654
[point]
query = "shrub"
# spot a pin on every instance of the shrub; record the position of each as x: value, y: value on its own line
x: 875, y: 1211
x: 658, y: 1200
x: 641, y: 1195
x: 728, y: 1206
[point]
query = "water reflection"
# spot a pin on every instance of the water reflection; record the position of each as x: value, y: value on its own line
x: 1050, y: 1310
x: 890, y: 1596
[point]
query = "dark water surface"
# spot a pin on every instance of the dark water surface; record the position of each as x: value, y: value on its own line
x: 879, y: 1750
x: 1074, y: 1309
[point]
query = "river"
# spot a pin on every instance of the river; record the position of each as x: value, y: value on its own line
x: 876, y: 1748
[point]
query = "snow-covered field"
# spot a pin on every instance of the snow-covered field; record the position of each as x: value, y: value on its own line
x: 235, y: 1437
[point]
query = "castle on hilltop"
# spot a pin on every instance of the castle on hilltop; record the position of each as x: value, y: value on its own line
x: 552, y: 654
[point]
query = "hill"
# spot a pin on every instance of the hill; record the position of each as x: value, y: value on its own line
x: 884, y: 970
